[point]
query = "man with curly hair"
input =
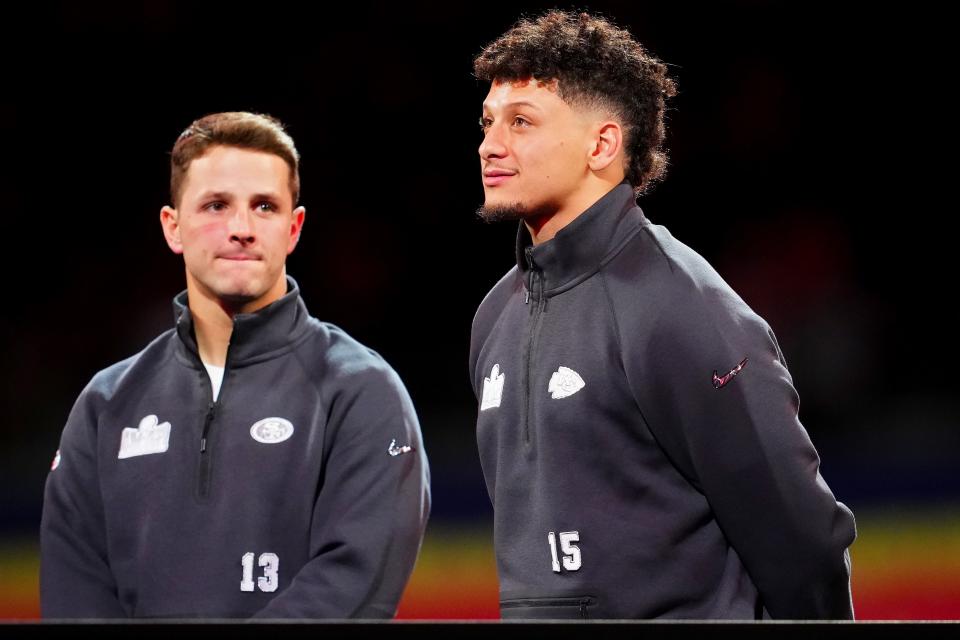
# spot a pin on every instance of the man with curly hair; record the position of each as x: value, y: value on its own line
x: 637, y: 425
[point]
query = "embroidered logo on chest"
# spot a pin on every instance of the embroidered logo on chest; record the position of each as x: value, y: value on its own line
x: 564, y: 383
x: 492, y: 389
x: 271, y: 430
x: 151, y: 436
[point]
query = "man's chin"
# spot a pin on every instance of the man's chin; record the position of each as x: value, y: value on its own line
x: 513, y: 211
x: 249, y: 295
x: 237, y: 294
x: 502, y: 211
x: 237, y: 297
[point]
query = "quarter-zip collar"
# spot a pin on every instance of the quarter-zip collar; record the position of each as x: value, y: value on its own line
x: 261, y: 335
x: 578, y: 250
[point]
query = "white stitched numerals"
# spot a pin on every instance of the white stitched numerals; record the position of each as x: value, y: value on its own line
x: 247, y: 583
x: 270, y: 579
x: 271, y: 567
x: 552, y: 540
x: 571, y: 552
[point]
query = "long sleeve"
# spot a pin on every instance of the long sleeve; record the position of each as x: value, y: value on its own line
x: 738, y: 439
x: 75, y: 576
x: 371, y: 509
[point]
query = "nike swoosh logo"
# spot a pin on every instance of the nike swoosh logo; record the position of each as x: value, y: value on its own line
x: 394, y: 450
x: 719, y: 383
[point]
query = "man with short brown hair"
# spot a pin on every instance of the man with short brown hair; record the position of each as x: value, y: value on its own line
x: 253, y: 461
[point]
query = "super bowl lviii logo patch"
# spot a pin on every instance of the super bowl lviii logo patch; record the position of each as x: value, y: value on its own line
x: 492, y: 389
x: 151, y: 436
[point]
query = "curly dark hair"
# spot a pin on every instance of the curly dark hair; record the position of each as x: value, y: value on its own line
x: 594, y: 63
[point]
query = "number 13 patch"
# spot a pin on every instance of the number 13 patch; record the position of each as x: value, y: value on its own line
x: 270, y: 579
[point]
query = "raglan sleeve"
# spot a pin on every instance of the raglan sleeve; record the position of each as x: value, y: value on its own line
x: 371, y: 511
x: 75, y: 576
x: 714, y: 388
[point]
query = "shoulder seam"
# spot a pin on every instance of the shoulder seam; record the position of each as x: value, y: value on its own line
x: 656, y: 241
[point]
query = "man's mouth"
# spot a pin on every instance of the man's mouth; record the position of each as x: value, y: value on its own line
x: 494, y: 177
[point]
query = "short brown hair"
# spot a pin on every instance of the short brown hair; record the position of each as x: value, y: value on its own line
x: 259, y: 132
x: 594, y: 63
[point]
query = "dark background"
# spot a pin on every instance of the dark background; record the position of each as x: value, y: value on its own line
x: 810, y: 164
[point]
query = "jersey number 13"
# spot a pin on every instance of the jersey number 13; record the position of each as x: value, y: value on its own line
x: 269, y: 581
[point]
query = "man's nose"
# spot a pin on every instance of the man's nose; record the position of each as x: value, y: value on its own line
x: 493, y: 143
x: 241, y: 228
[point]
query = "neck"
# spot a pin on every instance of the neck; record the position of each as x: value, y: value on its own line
x: 213, y: 316
x: 545, y: 226
x: 213, y: 325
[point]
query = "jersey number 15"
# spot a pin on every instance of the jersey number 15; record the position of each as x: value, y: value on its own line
x: 571, y: 552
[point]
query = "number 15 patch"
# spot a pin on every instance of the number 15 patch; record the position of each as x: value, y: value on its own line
x: 571, y: 552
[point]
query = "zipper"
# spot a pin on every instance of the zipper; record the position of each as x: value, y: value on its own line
x: 533, y: 329
x: 206, y: 426
x: 205, y: 472
x: 204, y: 485
x: 582, y: 602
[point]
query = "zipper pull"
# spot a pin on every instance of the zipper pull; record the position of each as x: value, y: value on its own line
x: 206, y: 427
x: 533, y: 274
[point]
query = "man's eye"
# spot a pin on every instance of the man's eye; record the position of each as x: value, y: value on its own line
x: 266, y: 207
x: 485, y: 124
x: 215, y: 206
x: 520, y: 121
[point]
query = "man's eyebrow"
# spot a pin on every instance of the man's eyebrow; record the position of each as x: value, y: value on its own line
x: 219, y: 195
x: 266, y: 195
x: 226, y: 195
x: 515, y: 104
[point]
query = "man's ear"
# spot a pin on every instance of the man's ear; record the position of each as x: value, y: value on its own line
x: 607, y: 145
x: 170, y: 221
x: 296, y: 226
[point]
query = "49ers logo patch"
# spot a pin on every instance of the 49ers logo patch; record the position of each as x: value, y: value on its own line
x: 271, y: 430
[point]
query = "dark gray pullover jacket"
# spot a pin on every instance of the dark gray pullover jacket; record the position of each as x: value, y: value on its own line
x: 639, y: 434
x: 303, y: 492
